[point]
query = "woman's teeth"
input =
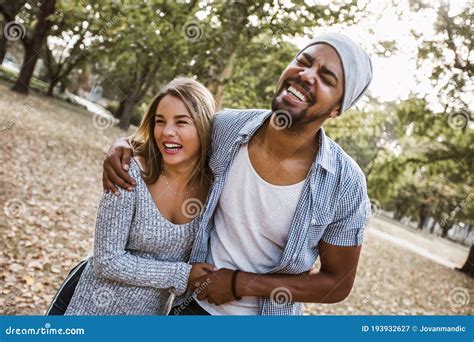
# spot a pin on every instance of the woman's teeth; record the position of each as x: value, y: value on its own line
x: 173, y: 147
x: 297, y: 94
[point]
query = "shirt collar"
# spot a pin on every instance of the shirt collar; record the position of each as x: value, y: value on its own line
x: 253, y: 125
x: 325, y: 156
x: 325, y: 153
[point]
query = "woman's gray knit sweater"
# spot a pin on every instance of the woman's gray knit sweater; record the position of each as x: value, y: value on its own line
x: 140, y: 258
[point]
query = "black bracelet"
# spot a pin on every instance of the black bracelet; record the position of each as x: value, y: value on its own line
x: 234, y: 280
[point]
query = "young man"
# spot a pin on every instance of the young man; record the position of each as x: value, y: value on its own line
x: 284, y: 193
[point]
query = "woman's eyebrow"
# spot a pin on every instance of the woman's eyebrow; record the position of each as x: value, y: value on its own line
x: 179, y: 116
x: 182, y: 116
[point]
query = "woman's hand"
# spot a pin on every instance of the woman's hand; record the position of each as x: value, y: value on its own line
x: 199, y: 270
x: 115, y: 168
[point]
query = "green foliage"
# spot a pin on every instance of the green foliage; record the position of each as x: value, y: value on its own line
x: 417, y: 162
x: 450, y: 53
x: 430, y: 167
x: 253, y: 82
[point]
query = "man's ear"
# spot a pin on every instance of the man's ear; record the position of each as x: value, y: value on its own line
x: 335, y: 112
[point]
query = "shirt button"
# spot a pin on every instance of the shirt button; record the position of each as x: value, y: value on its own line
x: 313, y: 221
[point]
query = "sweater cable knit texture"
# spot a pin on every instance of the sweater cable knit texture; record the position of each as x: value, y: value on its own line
x: 140, y: 258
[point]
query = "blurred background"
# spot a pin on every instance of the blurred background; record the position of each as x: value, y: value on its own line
x: 75, y: 75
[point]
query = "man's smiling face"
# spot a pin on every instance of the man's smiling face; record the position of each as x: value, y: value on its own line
x: 311, y: 86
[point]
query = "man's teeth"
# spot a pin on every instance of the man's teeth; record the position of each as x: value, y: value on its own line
x: 173, y: 146
x: 297, y: 94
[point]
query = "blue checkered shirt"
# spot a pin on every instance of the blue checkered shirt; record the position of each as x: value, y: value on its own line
x: 333, y: 206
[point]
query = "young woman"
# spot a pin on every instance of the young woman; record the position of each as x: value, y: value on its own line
x: 143, y: 238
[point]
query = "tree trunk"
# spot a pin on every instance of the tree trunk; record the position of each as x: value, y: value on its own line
x: 58, y: 72
x: 3, y: 47
x: 127, y: 114
x: 119, y: 112
x: 22, y: 84
x: 468, y: 231
x: 398, y: 212
x: 446, y: 228
x: 62, y: 87
x: 139, y: 91
x: 433, y: 225
x: 34, y: 45
x: 217, y: 87
x: 423, y: 216
x: 397, y: 215
x: 51, y: 85
x: 9, y: 10
x: 468, y: 267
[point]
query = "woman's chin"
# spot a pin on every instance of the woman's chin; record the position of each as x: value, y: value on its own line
x: 173, y: 160
x: 176, y: 159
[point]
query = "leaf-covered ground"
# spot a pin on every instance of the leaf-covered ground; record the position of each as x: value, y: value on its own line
x: 51, y: 156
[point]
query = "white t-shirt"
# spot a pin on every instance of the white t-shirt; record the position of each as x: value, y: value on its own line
x: 252, y: 220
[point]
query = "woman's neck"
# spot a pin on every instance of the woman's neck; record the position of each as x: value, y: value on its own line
x: 181, y: 173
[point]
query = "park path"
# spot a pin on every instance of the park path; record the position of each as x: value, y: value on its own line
x: 435, y: 248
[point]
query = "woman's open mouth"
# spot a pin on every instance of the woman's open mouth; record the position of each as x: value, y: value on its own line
x: 172, y: 148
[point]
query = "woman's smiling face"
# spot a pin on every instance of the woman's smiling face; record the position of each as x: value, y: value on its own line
x: 175, y: 132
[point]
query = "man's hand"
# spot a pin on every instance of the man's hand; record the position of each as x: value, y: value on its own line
x: 332, y: 283
x: 219, y: 289
x: 199, y: 270
x: 116, y: 165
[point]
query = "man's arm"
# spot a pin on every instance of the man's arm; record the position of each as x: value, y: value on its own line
x: 331, y: 284
x: 115, y: 168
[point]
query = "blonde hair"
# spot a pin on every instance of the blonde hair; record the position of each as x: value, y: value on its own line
x: 201, y: 105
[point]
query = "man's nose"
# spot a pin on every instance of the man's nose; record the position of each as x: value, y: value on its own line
x: 309, y: 75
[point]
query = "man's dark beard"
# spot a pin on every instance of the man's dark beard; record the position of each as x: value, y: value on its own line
x: 299, y: 120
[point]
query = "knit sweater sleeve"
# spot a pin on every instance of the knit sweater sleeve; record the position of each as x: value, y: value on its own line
x: 111, y: 258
